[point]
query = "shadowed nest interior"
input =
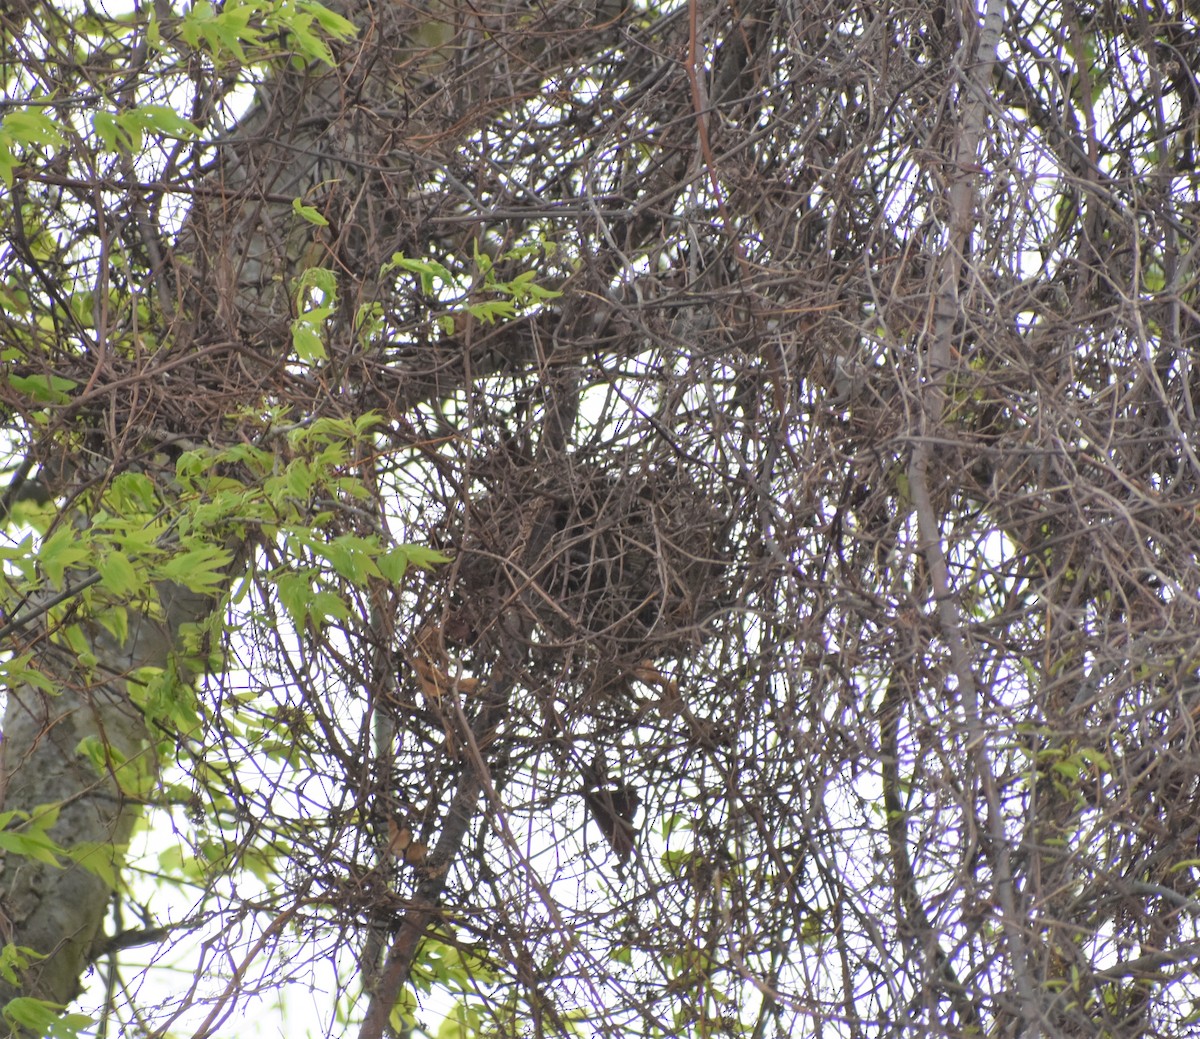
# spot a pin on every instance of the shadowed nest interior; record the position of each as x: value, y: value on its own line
x: 597, y: 565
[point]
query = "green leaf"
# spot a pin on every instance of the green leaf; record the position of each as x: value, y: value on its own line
x: 493, y: 310
x: 200, y: 569
x: 165, y: 698
x: 18, y: 550
x: 307, y: 342
x: 300, y: 478
x: 352, y: 557
x: 31, y: 126
x: 132, y: 492
x: 295, y: 592
x: 118, y: 575
x: 36, y: 846
x: 97, y: 857
x: 8, y: 161
x: 369, y: 321
x: 225, y: 34
x: 482, y: 261
x: 93, y: 748
x: 17, y: 957
x: 324, y: 281
x: 326, y: 605
x: 116, y: 621
x: 403, y: 1014
x: 464, y: 1022
x: 308, y: 43
x: 426, y: 270
x: 40, y: 1017
x: 399, y: 559
x: 113, y: 135
x: 331, y: 22
x: 309, y: 213
x: 162, y: 120
x: 77, y: 642
x: 43, y: 817
x: 46, y: 389
x: 393, y: 565
x: 17, y: 672
x: 61, y: 551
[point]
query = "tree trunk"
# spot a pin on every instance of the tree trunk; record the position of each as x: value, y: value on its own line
x: 57, y: 910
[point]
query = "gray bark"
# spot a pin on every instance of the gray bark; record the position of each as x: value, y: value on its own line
x: 57, y: 911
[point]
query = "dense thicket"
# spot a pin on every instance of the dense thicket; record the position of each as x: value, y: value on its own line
x: 804, y: 397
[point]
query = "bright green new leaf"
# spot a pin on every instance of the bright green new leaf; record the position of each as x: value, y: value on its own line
x: 323, y: 280
x: 118, y: 575
x: 46, y: 389
x: 8, y: 161
x: 35, y: 846
x: 295, y: 593
x: 307, y: 43
x: 61, y: 551
x: 162, y: 120
x: 393, y: 565
x: 400, y: 558
x: 369, y: 321
x: 200, y: 569
x: 18, y: 551
x: 300, y: 478
x: 132, y: 492
x: 17, y: 957
x: 31, y: 126
x: 113, y: 135
x: 173, y: 701
x: 352, y: 557
x: 43, y: 1018
x: 328, y: 606
x: 426, y: 270
x: 463, y: 1022
x: 17, y: 672
x: 224, y: 34
x: 326, y: 430
x: 43, y: 818
x: 93, y: 748
x: 331, y: 22
x: 403, y: 1015
x: 493, y: 310
x: 97, y: 858
x: 307, y: 342
x: 309, y: 213
x: 116, y: 621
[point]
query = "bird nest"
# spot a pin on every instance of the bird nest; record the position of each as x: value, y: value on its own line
x: 626, y: 567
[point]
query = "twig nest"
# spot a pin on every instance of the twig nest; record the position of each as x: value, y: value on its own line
x: 630, y: 564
